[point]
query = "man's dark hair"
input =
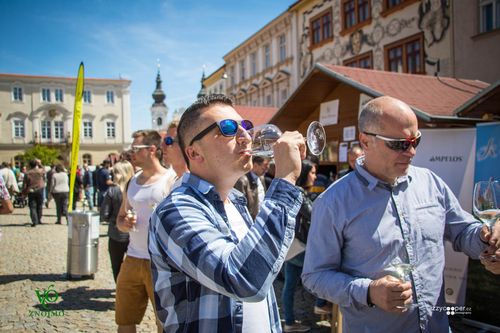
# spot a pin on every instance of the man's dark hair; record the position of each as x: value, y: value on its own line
x: 192, y: 114
x: 32, y: 164
x: 257, y: 159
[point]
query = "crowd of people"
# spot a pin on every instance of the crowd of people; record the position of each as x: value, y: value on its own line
x: 201, y: 228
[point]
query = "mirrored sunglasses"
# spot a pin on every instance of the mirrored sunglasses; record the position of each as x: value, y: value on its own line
x: 399, y: 144
x: 227, y: 127
x: 169, y: 140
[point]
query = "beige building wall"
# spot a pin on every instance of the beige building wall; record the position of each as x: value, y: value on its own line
x: 216, y: 82
x: 24, y: 120
x: 269, y: 82
x: 476, y: 54
x: 385, y: 27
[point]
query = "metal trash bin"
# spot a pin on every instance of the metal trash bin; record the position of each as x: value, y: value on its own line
x: 83, y: 243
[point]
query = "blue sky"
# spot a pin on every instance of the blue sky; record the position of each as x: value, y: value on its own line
x: 126, y: 37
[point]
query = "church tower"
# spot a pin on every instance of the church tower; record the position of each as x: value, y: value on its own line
x: 159, y: 109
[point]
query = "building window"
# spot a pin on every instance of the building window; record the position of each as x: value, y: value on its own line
x: 355, y: 12
x: 110, y: 97
x: 253, y: 64
x: 282, y: 46
x: 361, y: 61
x: 284, y: 95
x: 87, y: 129
x: 46, y: 129
x: 58, y: 129
x: 242, y: 70
x: 221, y: 90
x: 231, y: 75
x: 321, y: 28
x: 110, y: 130
x: 489, y: 11
x: 46, y: 95
x: 59, y: 95
x: 87, y: 97
x: 87, y: 159
x: 159, y: 121
x: 268, y: 100
x: 18, y: 128
x: 406, y: 56
x: 17, y: 94
x: 267, y: 56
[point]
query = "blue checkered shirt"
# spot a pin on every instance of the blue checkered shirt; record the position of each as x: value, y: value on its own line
x: 201, y: 272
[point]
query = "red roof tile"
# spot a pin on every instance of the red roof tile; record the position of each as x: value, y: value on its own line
x: 438, y: 96
x: 256, y: 114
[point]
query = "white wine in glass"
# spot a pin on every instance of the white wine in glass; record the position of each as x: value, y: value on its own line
x: 486, y: 205
x: 265, y: 136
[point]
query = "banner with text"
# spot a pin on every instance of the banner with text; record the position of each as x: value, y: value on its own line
x: 450, y: 154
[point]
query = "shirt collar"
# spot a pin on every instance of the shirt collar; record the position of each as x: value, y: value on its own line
x: 371, y: 181
x: 204, y: 187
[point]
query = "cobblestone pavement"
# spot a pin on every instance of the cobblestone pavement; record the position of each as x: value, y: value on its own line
x: 34, y: 259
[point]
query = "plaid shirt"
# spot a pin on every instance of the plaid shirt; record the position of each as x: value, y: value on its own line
x: 201, y: 272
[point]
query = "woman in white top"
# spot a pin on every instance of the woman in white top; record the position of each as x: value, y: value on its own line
x: 59, y: 188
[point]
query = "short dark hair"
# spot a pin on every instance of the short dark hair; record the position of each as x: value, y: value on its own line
x: 192, y: 114
x: 257, y: 159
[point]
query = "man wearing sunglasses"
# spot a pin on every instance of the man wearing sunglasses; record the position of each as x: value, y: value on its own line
x: 384, y: 214
x: 213, y: 266
x: 143, y: 192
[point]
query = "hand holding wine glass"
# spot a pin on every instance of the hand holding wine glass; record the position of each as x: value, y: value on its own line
x: 132, y: 218
x: 265, y: 136
x: 486, y: 205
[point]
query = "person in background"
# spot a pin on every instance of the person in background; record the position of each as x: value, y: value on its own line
x: 293, y: 266
x: 145, y: 190
x: 48, y: 194
x: 88, y: 185
x: 6, y: 206
x: 352, y: 156
x: 378, y: 218
x: 269, y: 176
x: 34, y: 187
x: 59, y: 190
x: 77, y: 188
x: 9, y: 179
x: 172, y: 154
x: 94, y: 182
x: 253, y: 184
x: 213, y: 266
x: 118, y: 241
x: 103, y: 181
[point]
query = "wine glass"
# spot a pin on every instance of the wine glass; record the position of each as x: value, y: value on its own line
x: 486, y: 205
x: 399, y: 267
x: 132, y: 214
x: 265, y: 136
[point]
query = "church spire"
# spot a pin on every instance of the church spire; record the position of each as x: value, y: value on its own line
x: 203, y: 91
x: 158, y: 94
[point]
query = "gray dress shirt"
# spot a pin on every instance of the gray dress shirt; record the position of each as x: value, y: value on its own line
x: 361, y: 226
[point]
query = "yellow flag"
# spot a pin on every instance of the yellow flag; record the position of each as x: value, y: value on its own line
x: 75, y: 139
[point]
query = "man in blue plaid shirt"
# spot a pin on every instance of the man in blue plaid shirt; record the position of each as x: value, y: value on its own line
x: 213, y: 267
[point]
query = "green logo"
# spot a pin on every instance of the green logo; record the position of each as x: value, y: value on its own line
x: 48, y: 296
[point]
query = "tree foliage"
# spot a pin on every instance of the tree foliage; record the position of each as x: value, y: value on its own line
x: 46, y: 154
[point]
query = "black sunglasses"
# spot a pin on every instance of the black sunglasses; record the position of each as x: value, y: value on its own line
x: 169, y: 140
x: 227, y: 127
x: 399, y: 144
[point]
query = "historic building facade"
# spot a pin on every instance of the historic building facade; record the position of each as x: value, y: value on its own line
x: 430, y: 37
x: 39, y: 110
x: 261, y: 71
